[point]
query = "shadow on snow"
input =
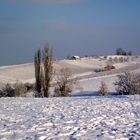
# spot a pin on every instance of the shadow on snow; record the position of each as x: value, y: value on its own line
x: 96, y: 94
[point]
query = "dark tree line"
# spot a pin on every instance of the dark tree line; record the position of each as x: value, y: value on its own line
x: 120, y: 51
x: 43, y: 71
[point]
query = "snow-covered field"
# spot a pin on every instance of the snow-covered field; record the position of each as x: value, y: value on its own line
x: 81, y: 118
x: 84, y: 116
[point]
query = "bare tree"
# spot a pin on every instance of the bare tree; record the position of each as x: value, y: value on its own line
x: 43, y: 71
x: 103, y: 90
x: 65, y: 83
x: 37, y: 63
x: 48, y: 69
x: 128, y: 83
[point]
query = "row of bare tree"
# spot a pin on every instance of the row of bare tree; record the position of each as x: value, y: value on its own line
x: 44, y: 73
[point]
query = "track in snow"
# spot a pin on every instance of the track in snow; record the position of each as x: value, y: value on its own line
x: 83, y: 118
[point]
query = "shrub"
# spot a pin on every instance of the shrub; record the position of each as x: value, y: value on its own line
x: 105, y: 57
x: 7, y: 91
x: 110, y: 60
x: 16, y: 90
x: 129, y: 53
x: 109, y: 67
x: 2, y: 94
x: 20, y: 89
x: 103, y: 90
x: 128, y: 84
x: 29, y: 86
x: 106, y: 68
x: 121, y: 60
x: 126, y: 59
x: 64, y: 83
x: 116, y: 59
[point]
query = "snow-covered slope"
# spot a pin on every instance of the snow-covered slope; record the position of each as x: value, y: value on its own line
x: 81, y: 118
x: 84, y: 66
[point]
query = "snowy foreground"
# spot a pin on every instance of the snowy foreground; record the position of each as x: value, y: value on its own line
x: 82, y: 118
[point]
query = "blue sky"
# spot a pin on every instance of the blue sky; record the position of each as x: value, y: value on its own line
x: 71, y: 27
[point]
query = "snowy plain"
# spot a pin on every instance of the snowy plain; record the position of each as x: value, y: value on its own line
x: 71, y: 118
